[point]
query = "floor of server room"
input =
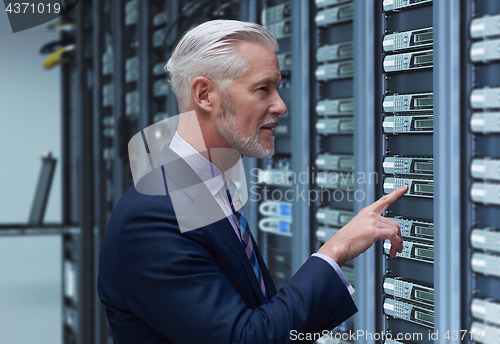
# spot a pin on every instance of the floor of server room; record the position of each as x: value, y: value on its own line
x: 30, y: 266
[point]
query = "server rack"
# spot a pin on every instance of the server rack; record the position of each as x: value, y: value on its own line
x: 282, y: 219
x: 105, y: 127
x: 481, y: 152
x: 332, y: 148
x: 78, y: 254
x: 455, y: 215
x: 70, y: 154
x: 405, y: 122
x: 275, y: 218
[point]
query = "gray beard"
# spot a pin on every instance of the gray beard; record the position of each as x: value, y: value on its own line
x: 246, y: 146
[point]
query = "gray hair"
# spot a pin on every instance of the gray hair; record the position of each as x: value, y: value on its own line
x: 210, y: 50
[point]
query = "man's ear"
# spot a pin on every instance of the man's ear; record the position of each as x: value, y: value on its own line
x: 205, y: 94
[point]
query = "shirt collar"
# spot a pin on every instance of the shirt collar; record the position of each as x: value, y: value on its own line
x: 211, y: 176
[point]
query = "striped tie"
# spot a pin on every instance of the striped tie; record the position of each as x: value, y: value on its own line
x: 242, y: 224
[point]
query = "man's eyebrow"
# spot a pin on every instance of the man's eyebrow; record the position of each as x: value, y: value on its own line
x: 269, y: 80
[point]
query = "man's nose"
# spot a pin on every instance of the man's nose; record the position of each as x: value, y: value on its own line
x: 280, y: 106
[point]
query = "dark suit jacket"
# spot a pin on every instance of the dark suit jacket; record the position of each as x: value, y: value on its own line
x: 161, y: 286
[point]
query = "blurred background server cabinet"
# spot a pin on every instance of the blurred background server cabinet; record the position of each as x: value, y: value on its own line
x: 482, y: 150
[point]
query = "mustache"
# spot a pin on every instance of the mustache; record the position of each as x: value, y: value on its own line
x: 271, y: 121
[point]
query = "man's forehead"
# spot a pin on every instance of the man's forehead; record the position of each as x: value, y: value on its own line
x: 262, y: 62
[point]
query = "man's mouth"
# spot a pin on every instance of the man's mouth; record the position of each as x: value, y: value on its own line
x: 269, y: 126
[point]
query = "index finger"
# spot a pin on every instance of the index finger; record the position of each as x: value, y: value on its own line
x: 382, y: 204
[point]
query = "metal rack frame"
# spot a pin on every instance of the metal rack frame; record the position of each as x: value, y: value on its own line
x: 365, y: 62
x: 447, y: 166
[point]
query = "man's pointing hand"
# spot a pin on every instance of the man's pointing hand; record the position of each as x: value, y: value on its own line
x: 364, y: 229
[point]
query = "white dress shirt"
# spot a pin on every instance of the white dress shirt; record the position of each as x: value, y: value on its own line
x: 214, y: 180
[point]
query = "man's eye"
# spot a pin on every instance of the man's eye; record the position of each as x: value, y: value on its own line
x: 264, y: 88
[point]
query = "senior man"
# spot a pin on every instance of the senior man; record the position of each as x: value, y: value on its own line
x: 161, y: 283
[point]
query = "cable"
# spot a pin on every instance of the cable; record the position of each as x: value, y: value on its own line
x: 50, y: 47
x: 62, y: 26
x: 54, y: 60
